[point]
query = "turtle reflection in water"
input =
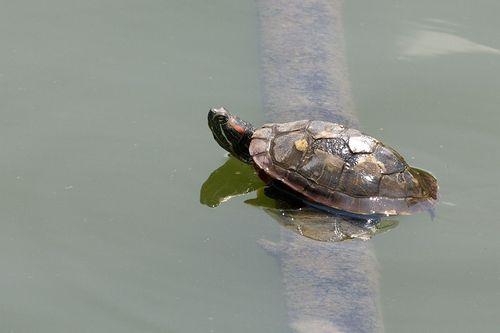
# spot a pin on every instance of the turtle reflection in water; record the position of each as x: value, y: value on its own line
x: 235, y: 178
x: 329, y: 165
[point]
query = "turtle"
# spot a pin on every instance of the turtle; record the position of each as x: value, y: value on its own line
x: 328, y: 164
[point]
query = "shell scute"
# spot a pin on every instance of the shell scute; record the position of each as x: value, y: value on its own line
x: 333, y: 146
x: 362, y: 144
x: 263, y: 133
x: 413, y: 187
x: 292, y: 126
x: 312, y: 168
x: 323, y: 168
x: 324, y: 130
x: 362, y: 179
x: 258, y: 146
x: 393, y: 186
x: 389, y: 160
x: 286, y: 149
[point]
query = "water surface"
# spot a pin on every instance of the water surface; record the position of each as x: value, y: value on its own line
x: 105, y: 147
x: 426, y: 77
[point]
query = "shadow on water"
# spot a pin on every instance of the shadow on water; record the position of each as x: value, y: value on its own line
x: 235, y: 178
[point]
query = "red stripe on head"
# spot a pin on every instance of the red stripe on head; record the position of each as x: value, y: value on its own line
x: 240, y: 129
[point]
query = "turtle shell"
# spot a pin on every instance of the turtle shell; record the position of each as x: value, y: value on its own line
x: 341, y: 168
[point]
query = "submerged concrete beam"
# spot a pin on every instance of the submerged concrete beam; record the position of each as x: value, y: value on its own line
x: 329, y: 287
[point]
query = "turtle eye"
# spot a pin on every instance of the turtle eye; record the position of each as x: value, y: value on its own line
x: 221, y: 119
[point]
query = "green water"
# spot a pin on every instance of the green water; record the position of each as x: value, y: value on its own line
x: 104, y: 148
x: 435, y: 94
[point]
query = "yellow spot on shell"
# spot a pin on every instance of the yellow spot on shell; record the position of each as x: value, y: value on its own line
x: 301, y: 145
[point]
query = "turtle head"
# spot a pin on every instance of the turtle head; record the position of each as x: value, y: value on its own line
x: 232, y: 133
